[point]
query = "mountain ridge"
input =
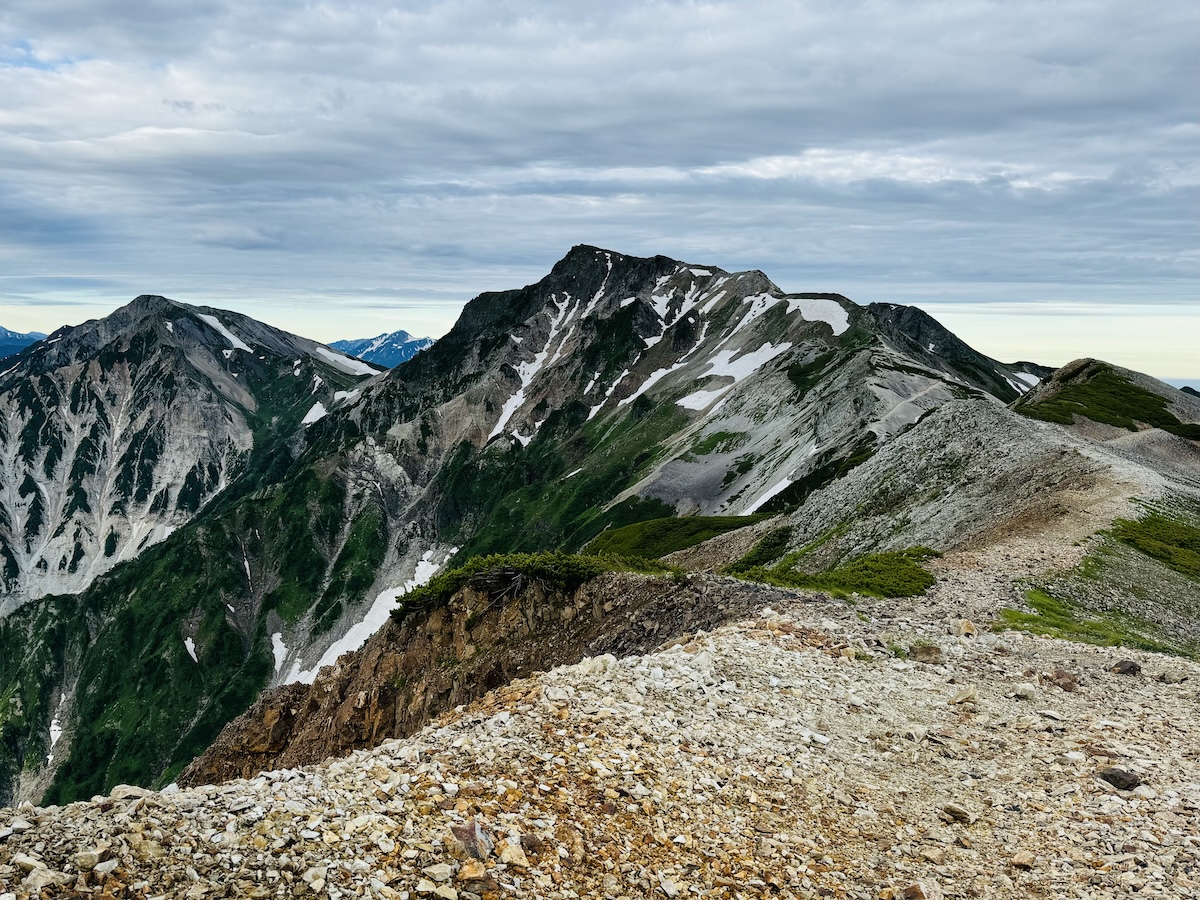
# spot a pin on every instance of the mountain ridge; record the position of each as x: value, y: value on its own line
x: 616, y: 389
x: 13, y: 342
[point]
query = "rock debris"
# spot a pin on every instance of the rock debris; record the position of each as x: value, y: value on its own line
x: 788, y: 755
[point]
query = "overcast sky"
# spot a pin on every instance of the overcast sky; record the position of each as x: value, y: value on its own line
x: 1029, y: 172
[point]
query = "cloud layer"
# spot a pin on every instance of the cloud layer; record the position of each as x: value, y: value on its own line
x: 379, y: 165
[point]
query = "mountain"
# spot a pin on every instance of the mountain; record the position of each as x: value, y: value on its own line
x: 116, y: 432
x: 387, y: 350
x: 614, y: 391
x: 14, y: 342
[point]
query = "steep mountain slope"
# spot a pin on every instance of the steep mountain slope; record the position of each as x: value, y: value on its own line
x: 614, y: 390
x: 387, y: 350
x: 115, y: 432
x: 12, y: 342
x: 684, y: 388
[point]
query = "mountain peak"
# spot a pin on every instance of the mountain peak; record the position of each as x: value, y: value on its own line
x: 385, y: 349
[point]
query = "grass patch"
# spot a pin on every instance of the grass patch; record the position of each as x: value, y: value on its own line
x: 891, y: 574
x: 772, y: 546
x: 1170, y: 541
x: 1059, y: 618
x: 1111, y: 399
x: 658, y: 537
x: 510, y: 572
x: 720, y: 442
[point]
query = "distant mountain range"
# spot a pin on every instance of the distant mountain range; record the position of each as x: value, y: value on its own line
x: 195, y: 506
x: 14, y: 342
x: 386, y: 350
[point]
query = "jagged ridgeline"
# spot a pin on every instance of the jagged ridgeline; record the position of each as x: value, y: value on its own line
x: 196, y: 506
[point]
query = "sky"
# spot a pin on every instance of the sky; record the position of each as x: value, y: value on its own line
x: 1027, y: 171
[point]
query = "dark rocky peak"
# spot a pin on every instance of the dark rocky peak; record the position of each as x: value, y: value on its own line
x: 920, y: 337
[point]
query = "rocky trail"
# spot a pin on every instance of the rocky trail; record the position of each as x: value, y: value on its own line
x: 790, y: 754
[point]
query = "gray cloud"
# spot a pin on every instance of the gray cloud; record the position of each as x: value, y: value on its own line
x: 360, y: 155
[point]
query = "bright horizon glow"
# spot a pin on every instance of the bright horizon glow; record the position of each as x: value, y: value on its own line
x: 1050, y: 333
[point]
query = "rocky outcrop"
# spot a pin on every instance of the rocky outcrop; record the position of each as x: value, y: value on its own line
x: 434, y: 661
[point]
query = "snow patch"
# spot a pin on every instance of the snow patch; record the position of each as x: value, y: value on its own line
x: 349, y: 396
x: 224, y: 332
x: 55, y: 730
x: 346, y: 364
x: 1031, y: 380
x: 747, y: 364
x: 607, y: 395
x: 316, y: 414
x: 725, y: 365
x: 170, y: 327
x: 572, y: 474
x: 818, y: 310
x: 190, y: 645
x: 624, y: 303
x: 702, y: 399
x: 771, y: 492
x: 376, y: 617
x: 279, y: 649
x: 700, y: 272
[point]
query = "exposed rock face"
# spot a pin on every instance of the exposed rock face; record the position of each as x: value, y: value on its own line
x: 434, y: 661
x: 114, y: 435
x: 116, y: 432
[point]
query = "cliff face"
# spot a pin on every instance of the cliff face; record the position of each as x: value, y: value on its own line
x: 485, y: 637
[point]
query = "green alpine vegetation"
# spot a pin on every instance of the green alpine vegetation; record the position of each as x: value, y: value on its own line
x: 1055, y: 617
x: 1152, y: 562
x: 658, y: 537
x: 1101, y: 394
x: 896, y: 573
x: 553, y: 570
x: 769, y: 549
x: 1171, y: 541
